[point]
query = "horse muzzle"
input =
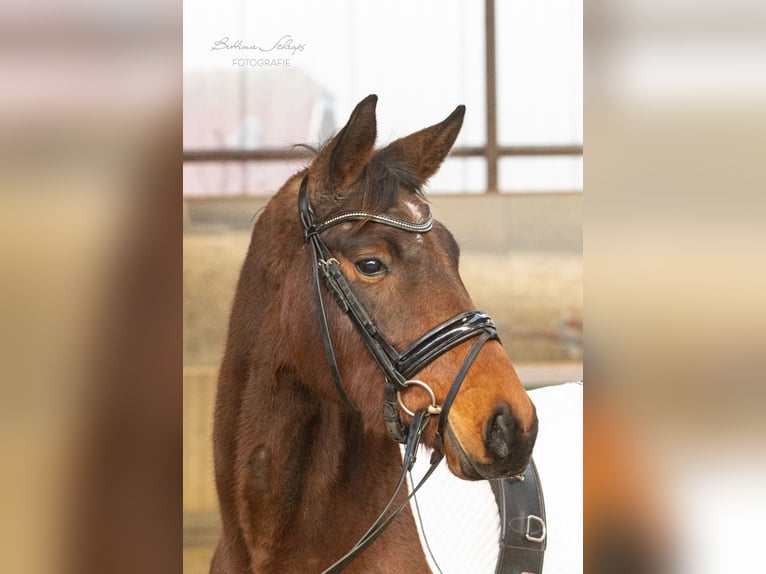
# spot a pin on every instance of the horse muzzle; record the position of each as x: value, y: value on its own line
x: 507, y: 448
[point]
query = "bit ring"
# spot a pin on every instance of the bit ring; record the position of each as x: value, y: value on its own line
x: 432, y: 409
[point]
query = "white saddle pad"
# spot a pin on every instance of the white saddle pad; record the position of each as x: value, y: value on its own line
x: 460, y: 521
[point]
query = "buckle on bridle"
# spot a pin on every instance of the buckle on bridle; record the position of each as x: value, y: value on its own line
x: 324, y: 264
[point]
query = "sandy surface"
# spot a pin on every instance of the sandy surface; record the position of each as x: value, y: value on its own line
x: 197, y: 559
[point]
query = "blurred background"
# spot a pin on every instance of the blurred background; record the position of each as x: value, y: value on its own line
x: 675, y: 101
x: 511, y: 191
x: 90, y: 286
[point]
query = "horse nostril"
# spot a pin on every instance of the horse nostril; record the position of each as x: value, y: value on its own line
x: 500, y: 432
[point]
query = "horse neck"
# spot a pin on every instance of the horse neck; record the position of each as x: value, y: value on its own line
x: 317, y: 482
x: 299, y: 478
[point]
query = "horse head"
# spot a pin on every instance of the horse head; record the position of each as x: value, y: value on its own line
x: 407, y: 281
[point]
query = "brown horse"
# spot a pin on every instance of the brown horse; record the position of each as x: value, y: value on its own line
x: 301, y: 470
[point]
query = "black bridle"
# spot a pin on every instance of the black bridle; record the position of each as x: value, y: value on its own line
x: 397, y: 367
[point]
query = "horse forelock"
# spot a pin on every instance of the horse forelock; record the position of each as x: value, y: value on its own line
x: 379, y: 188
x: 383, y: 179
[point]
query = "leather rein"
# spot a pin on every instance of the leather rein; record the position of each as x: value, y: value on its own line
x: 397, y: 368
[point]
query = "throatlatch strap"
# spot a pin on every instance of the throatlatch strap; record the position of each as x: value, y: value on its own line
x: 523, y: 533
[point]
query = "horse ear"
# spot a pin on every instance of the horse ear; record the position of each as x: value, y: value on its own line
x: 345, y: 156
x: 426, y: 149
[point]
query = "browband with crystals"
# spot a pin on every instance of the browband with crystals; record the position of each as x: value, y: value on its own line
x: 389, y: 220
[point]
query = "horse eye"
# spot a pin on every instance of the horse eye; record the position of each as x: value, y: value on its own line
x: 370, y: 266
